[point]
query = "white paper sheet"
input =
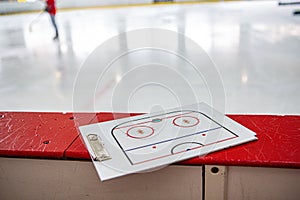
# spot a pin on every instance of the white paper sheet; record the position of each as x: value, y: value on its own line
x: 145, y: 142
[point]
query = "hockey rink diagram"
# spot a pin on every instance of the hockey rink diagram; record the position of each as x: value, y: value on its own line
x: 169, y: 134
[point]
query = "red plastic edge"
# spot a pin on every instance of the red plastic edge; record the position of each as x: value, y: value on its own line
x: 55, y: 135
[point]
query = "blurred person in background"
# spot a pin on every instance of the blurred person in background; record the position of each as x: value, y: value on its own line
x: 51, y: 9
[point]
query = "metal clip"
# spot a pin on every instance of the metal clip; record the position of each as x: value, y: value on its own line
x: 98, y: 148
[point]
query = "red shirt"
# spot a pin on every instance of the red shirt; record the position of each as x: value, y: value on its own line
x: 51, y: 7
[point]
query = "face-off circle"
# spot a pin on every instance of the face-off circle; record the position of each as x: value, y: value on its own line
x: 186, y: 121
x: 140, y: 132
x: 186, y: 146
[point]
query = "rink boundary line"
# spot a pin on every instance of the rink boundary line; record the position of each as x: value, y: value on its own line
x: 124, y: 6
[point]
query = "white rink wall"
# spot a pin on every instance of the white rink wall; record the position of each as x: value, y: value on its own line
x: 34, y: 5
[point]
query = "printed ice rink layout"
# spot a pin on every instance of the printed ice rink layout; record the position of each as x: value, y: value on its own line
x: 254, y: 45
x: 179, y: 125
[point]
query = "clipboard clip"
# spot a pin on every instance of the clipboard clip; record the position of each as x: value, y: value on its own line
x: 100, y: 154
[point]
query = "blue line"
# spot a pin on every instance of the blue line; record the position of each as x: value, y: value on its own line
x: 173, y: 139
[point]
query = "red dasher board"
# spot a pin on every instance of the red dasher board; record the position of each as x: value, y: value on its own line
x: 55, y: 135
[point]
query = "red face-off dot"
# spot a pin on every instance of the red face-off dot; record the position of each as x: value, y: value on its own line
x: 186, y: 121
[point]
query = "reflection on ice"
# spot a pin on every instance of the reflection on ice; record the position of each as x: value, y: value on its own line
x: 254, y: 45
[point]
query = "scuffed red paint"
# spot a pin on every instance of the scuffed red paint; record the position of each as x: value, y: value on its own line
x: 55, y: 135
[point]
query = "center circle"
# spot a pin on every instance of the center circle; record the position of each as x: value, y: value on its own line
x: 140, y: 132
x: 186, y: 121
